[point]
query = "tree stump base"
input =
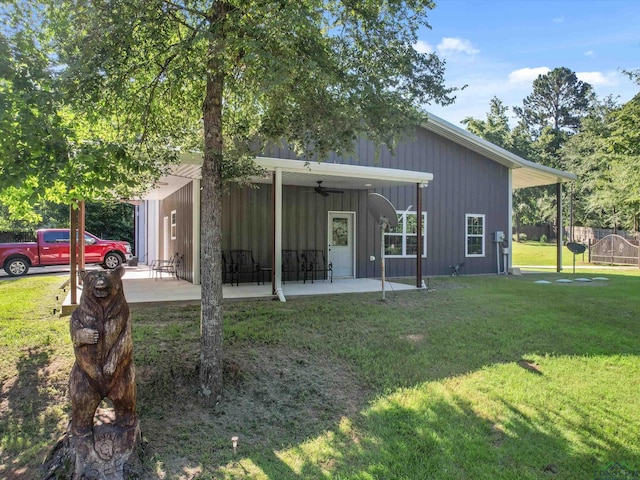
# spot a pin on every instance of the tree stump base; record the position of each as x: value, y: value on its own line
x: 111, y: 452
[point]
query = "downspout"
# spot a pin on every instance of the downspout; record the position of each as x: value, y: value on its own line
x: 277, y: 216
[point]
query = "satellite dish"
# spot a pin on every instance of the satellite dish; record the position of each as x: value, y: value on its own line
x: 576, y: 249
x: 382, y: 210
x: 385, y: 214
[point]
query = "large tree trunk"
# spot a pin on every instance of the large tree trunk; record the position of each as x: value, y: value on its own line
x: 211, y: 234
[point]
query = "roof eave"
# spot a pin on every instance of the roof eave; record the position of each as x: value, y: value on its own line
x: 540, y: 174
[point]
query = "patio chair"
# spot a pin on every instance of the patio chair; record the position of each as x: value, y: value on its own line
x: 171, y: 266
x: 226, y: 268
x: 313, y: 263
x: 242, y: 263
x: 153, y: 266
x: 291, y: 264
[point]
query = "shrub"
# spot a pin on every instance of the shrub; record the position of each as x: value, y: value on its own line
x: 543, y: 238
x: 522, y: 237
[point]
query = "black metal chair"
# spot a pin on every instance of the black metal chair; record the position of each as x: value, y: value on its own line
x: 171, y: 266
x: 226, y: 268
x: 291, y: 264
x: 314, y: 262
x: 242, y: 263
x: 155, y: 264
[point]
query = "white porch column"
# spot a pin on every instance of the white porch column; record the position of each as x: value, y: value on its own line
x: 196, y: 230
x: 277, y: 218
x: 509, y: 266
x: 560, y: 233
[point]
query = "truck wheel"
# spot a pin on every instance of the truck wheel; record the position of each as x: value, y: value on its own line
x: 112, y: 260
x: 16, y: 267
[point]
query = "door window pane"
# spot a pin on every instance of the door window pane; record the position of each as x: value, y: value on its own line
x: 340, y: 232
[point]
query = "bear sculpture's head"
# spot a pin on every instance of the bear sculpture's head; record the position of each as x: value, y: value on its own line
x: 102, y: 284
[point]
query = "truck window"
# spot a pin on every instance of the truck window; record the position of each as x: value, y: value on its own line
x: 88, y: 239
x: 56, y: 237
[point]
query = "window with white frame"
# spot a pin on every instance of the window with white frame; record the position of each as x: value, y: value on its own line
x: 474, y: 235
x: 173, y: 225
x: 402, y: 241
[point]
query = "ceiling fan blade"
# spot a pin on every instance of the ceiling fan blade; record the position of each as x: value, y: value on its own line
x: 325, y: 191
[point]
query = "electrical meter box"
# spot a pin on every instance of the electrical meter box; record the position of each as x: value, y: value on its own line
x: 498, y: 237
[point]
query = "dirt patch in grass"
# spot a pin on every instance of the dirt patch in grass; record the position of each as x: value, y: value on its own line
x: 276, y: 388
x: 274, y: 397
x: 415, y: 337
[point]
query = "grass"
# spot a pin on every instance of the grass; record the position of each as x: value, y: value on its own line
x: 544, y: 254
x: 480, y: 377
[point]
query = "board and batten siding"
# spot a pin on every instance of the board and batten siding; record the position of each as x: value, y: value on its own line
x: 180, y: 201
x: 247, y: 220
x: 464, y: 182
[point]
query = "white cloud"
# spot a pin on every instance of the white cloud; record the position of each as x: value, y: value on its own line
x: 558, y: 19
x: 456, y: 45
x: 527, y: 75
x: 589, y: 53
x: 598, y: 78
x: 423, y: 47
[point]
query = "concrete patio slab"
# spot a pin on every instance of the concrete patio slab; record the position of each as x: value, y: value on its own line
x: 141, y: 288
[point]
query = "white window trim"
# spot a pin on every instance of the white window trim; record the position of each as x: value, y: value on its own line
x: 467, y: 235
x: 173, y: 227
x: 403, y: 235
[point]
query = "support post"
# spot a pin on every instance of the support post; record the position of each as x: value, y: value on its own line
x: 277, y: 215
x: 571, y: 214
x: 509, y: 258
x: 73, y: 260
x: 560, y: 233
x: 383, y: 226
x: 195, y: 252
x: 81, y: 244
x: 419, y: 236
x: 273, y: 233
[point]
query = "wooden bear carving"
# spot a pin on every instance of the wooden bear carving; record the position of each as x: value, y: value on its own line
x: 103, y: 347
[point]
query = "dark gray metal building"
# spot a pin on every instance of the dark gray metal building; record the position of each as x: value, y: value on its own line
x: 461, y: 185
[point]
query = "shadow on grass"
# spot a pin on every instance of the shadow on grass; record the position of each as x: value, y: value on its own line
x: 299, y: 376
x: 29, y: 423
x: 442, y: 438
x: 400, y: 442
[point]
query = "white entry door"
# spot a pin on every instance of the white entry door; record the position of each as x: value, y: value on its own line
x: 342, y: 243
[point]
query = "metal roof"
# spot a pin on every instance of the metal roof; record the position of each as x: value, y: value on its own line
x: 524, y: 172
x: 333, y: 175
x: 336, y: 175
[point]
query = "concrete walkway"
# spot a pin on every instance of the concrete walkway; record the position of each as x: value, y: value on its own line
x: 140, y: 288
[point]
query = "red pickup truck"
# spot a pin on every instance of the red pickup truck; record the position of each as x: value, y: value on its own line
x: 52, y: 248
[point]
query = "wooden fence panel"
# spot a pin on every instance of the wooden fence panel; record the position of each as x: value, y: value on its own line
x: 614, y: 250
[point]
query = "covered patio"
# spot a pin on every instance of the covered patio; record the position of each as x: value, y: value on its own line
x: 279, y: 173
x: 141, y: 288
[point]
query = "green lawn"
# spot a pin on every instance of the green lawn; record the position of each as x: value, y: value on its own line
x: 544, y: 254
x: 481, y: 377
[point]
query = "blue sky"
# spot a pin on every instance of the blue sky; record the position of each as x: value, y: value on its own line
x: 498, y: 47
